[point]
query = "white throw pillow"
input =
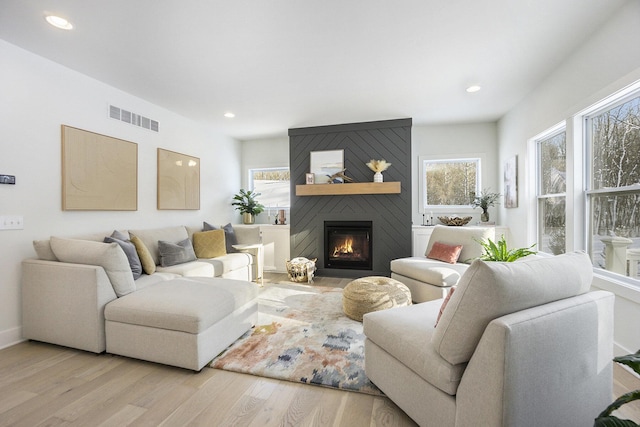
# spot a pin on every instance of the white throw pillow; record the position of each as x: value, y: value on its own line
x: 107, y: 255
x: 488, y: 290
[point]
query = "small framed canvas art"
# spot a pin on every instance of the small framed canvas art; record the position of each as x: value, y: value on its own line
x: 310, y: 178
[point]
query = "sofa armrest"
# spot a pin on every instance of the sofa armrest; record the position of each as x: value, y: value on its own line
x: 547, y: 365
x: 63, y: 303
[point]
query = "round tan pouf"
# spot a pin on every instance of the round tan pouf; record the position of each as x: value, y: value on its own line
x: 373, y: 293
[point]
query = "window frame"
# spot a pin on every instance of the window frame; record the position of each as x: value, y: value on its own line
x: 589, y: 192
x: 422, y: 162
x: 251, y: 185
x: 539, y: 195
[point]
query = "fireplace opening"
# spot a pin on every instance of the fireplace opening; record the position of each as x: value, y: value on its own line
x: 348, y: 244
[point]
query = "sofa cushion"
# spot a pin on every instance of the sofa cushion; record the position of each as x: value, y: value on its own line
x: 107, y: 255
x: 151, y: 237
x: 430, y: 271
x: 230, y: 237
x: 189, y: 269
x: 129, y: 250
x: 488, y: 290
x: 147, y: 280
x: 468, y: 237
x: 175, y: 253
x: 248, y: 234
x: 229, y: 262
x: 43, y: 250
x: 148, y: 264
x: 209, y: 244
x: 446, y: 253
x: 186, y: 304
x: 405, y: 333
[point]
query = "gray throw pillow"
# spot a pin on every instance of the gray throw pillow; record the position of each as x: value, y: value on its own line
x: 175, y: 253
x: 230, y: 237
x: 129, y: 250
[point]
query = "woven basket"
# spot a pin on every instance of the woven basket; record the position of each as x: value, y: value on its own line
x: 301, y: 269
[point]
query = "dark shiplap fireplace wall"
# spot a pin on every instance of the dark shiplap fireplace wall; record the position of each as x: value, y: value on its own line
x: 390, y: 213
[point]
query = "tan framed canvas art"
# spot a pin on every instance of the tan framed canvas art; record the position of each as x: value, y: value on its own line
x: 178, y: 181
x: 98, y: 172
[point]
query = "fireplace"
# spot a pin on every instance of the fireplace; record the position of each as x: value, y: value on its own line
x: 348, y: 245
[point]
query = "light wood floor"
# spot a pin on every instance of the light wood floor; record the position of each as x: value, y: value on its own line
x: 47, y: 385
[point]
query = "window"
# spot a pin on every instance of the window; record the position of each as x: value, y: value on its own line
x: 273, y: 186
x: 551, y: 154
x: 613, y: 186
x: 449, y: 182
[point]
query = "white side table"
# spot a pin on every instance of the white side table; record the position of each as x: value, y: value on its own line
x: 257, y: 251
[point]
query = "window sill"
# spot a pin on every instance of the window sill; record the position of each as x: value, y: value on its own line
x: 619, y: 286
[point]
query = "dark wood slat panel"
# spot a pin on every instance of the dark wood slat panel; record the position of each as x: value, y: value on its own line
x: 390, y: 213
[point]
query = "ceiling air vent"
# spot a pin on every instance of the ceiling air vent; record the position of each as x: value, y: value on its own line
x: 133, y: 118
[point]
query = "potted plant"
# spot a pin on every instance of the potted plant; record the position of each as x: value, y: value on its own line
x: 245, y: 201
x: 484, y: 200
x: 605, y: 419
x: 499, y: 252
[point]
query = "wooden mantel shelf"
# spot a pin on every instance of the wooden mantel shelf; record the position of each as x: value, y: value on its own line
x: 348, y: 189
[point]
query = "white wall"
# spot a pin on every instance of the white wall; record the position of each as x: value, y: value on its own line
x: 606, y: 62
x: 456, y: 140
x: 38, y: 96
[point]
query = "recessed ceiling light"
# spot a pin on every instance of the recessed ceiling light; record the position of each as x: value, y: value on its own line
x: 59, y: 22
x: 229, y: 115
x: 473, y: 88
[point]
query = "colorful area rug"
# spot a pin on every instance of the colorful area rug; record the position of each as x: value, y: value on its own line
x: 302, y: 336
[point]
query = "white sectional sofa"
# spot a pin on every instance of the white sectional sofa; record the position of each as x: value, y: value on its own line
x: 81, y: 293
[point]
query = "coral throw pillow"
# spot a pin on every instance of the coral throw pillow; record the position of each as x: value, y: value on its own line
x: 446, y: 253
x: 444, y: 304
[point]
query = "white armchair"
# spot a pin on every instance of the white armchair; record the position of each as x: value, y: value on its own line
x: 430, y: 279
x: 518, y: 344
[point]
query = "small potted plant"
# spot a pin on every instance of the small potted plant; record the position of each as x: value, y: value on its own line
x: 498, y: 251
x: 484, y: 201
x: 245, y: 201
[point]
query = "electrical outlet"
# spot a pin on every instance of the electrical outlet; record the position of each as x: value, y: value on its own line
x: 11, y: 222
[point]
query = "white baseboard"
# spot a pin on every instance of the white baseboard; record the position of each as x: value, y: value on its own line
x: 10, y: 337
x: 619, y: 350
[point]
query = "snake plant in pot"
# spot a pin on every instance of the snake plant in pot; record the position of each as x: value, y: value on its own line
x: 245, y: 202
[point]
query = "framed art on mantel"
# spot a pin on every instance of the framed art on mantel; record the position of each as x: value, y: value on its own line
x: 99, y: 173
x: 323, y: 164
x: 178, y: 181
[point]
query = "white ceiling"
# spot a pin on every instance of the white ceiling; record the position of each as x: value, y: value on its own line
x: 279, y: 64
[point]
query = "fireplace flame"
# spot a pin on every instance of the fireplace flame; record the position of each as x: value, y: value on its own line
x: 344, y: 248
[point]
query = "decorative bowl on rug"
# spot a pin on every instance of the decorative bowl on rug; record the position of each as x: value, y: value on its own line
x: 454, y: 220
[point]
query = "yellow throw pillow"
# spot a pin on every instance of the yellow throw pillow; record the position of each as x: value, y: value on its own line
x: 148, y: 265
x: 209, y: 244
